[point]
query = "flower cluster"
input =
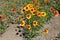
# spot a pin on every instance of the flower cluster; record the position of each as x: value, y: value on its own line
x: 31, y: 12
x: 31, y: 17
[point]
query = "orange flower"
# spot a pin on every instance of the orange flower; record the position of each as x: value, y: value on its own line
x: 56, y: 13
x: 45, y: 31
x: 22, y: 23
x: 35, y: 23
x: 0, y: 16
x: 51, y: 9
x: 34, y: 13
x: 28, y: 16
x: 28, y: 27
x: 30, y: 5
x: 39, y: 14
x: 13, y: 10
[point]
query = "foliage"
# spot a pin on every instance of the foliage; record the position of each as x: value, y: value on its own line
x: 30, y: 15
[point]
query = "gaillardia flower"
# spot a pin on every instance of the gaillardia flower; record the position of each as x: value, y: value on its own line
x: 26, y: 8
x: 51, y: 9
x: 30, y: 5
x: 22, y: 23
x: 32, y: 10
x: 34, y: 13
x: 23, y: 10
x: 45, y: 31
x: 43, y: 13
x: 28, y: 16
x: 0, y: 16
x: 19, y: 18
x: 35, y: 23
x: 39, y: 14
x: 28, y: 27
x: 56, y: 13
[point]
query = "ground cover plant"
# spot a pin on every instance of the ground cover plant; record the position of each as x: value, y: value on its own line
x: 28, y: 14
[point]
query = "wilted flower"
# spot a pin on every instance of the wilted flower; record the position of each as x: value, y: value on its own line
x: 19, y: 18
x: 45, y: 31
x: 23, y: 10
x: 28, y: 27
x: 0, y: 16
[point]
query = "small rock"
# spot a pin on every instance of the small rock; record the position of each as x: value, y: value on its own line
x: 18, y: 26
x: 17, y: 33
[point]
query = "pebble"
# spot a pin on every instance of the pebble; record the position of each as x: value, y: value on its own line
x: 20, y: 35
x: 18, y: 26
x: 15, y: 29
x: 17, y: 33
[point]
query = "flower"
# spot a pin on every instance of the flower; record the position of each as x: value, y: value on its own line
x: 56, y: 13
x: 27, y: 8
x: 34, y: 13
x: 13, y: 10
x: 19, y: 18
x: 23, y: 10
x: 30, y: 5
x: 51, y: 9
x: 28, y: 16
x: 45, y: 31
x: 39, y: 14
x: 22, y: 23
x: 0, y: 16
x: 28, y: 27
x: 43, y: 13
x: 35, y: 23
x: 32, y: 10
